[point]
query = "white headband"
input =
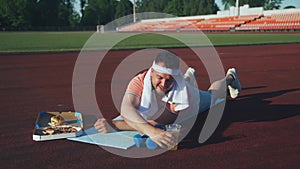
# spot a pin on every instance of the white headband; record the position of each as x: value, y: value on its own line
x: 164, y: 70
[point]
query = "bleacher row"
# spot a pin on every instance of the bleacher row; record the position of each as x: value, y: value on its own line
x: 273, y: 22
x: 289, y: 21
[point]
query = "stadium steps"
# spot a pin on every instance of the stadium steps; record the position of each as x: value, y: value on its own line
x: 285, y: 21
x: 274, y: 22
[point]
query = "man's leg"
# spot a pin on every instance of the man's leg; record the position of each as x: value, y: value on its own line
x: 206, y: 96
x: 190, y: 75
x: 233, y: 83
x: 230, y: 82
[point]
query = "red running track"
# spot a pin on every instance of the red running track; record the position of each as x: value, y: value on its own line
x: 258, y: 130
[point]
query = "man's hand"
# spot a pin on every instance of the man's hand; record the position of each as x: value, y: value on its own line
x: 101, y: 125
x: 162, y: 138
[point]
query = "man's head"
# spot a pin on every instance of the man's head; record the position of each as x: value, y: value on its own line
x: 164, y: 67
x: 169, y: 59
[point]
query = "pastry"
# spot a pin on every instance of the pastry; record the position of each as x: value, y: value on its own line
x: 57, y: 120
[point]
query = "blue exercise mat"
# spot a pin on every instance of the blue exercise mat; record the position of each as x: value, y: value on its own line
x: 117, y: 139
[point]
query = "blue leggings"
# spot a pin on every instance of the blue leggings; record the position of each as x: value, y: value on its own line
x: 205, y: 100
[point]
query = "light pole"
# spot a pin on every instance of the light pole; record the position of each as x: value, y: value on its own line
x: 134, y: 17
x: 237, y: 7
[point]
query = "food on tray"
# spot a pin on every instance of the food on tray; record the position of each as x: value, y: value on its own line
x: 59, y: 130
x: 48, y: 131
x: 57, y: 120
x: 57, y: 125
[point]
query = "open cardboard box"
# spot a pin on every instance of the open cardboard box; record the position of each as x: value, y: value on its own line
x: 72, y: 126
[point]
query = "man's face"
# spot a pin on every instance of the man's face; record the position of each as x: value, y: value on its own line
x: 162, y: 83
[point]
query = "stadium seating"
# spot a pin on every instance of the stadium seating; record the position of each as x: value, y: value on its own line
x: 274, y: 22
x: 212, y: 24
x: 152, y: 26
x: 260, y: 22
x: 224, y: 23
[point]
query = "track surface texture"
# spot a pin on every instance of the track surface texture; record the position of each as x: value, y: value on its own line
x: 258, y: 130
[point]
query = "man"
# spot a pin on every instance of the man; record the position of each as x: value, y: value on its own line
x: 158, y: 95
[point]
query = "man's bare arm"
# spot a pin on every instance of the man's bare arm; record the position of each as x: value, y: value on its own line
x: 131, y: 115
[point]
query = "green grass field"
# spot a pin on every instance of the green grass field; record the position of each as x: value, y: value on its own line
x: 74, y: 41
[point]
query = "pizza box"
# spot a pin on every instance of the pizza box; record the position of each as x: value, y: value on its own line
x: 45, y: 129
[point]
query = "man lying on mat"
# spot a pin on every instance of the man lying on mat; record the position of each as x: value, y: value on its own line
x: 157, y: 95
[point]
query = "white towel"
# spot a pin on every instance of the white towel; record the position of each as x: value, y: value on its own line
x: 178, y: 94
